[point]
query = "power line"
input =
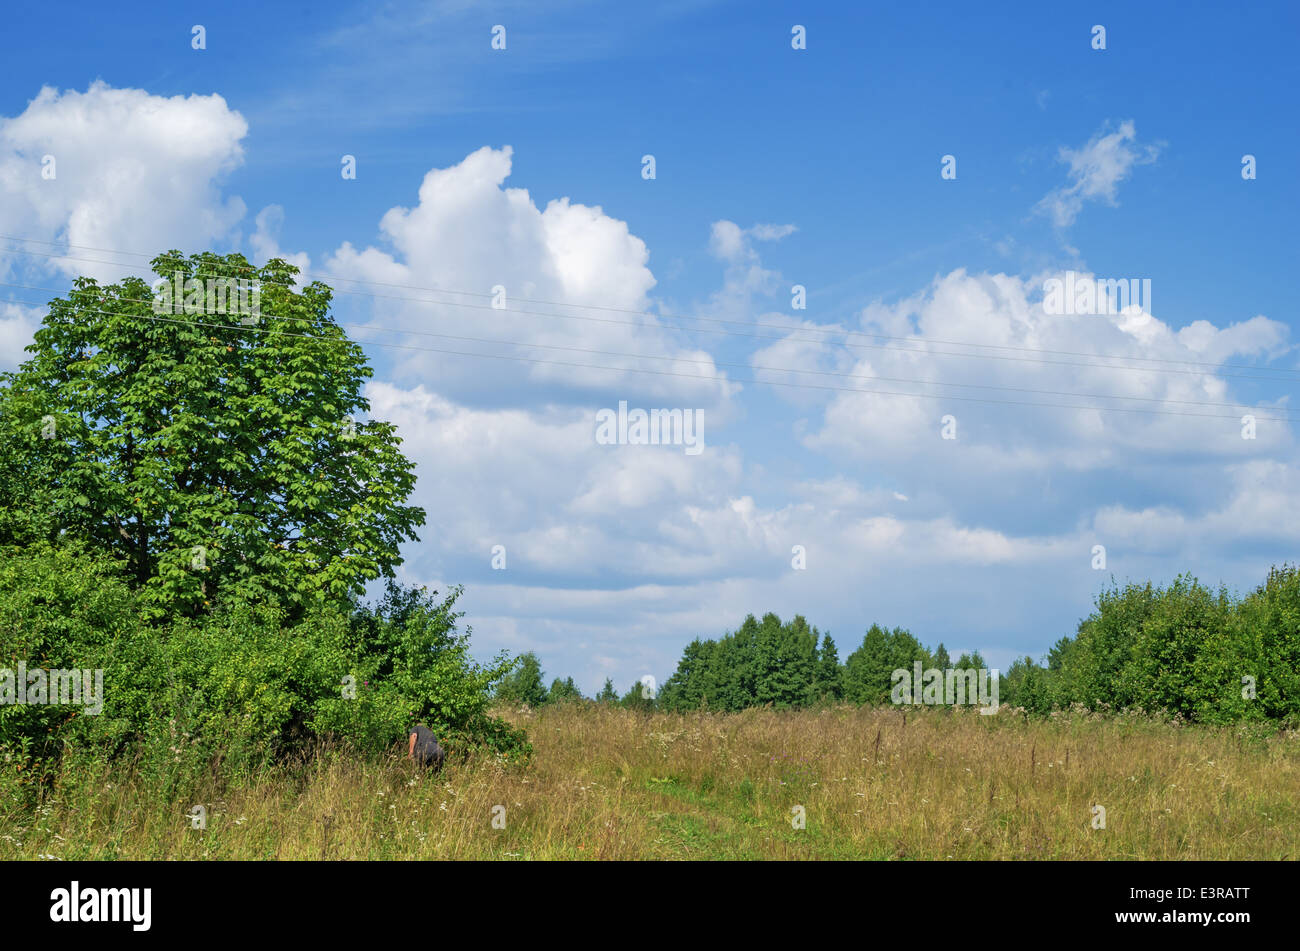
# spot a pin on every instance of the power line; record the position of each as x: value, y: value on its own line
x: 721, y: 363
x: 535, y: 360
x: 759, y: 336
x: 1287, y: 373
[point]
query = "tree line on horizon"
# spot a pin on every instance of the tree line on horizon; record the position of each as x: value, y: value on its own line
x: 1181, y: 650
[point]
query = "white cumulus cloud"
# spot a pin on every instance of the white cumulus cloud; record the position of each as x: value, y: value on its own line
x: 131, y: 171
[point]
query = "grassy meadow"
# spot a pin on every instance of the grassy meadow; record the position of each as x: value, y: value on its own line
x: 610, y: 783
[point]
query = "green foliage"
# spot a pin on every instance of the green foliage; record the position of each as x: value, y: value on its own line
x: 607, y: 693
x: 641, y: 697
x: 418, y: 667
x: 694, y: 680
x: 1160, y: 673
x: 1182, y: 650
x: 523, y: 684
x: 59, y: 609
x: 941, y: 658
x: 189, y: 505
x: 241, y: 685
x: 868, y: 670
x: 210, y: 456
x: 1263, y: 642
x: 1025, y: 685
x: 828, y: 683
x: 563, y: 691
x: 768, y: 662
x: 785, y: 663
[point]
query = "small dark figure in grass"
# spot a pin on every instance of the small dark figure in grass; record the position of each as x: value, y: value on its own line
x: 424, y: 748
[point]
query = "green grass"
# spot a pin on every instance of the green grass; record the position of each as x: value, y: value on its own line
x: 607, y: 783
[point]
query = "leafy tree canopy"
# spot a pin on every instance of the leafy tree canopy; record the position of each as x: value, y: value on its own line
x: 211, y: 451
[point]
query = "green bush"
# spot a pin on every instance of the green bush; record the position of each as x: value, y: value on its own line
x: 1262, y: 642
x: 60, y: 608
x: 1161, y: 671
x: 240, y: 686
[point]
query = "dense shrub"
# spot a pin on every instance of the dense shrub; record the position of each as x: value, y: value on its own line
x: 242, y: 684
x: 1181, y: 650
x: 59, y: 609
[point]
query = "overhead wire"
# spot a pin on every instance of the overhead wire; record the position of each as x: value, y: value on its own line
x: 711, y: 378
x: 1287, y: 373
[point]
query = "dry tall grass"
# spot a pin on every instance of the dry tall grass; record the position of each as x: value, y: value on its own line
x: 606, y: 783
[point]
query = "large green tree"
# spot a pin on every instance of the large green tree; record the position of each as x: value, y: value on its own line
x: 211, y: 451
x: 786, y: 660
x: 693, y: 683
x: 867, y: 669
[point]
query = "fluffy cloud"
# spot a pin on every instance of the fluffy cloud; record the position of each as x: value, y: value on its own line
x: 576, y: 283
x: 132, y: 172
x: 1161, y: 382
x: 536, y: 481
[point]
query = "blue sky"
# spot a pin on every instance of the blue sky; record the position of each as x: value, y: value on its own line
x: 774, y: 167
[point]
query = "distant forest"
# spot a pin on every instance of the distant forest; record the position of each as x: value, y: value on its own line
x: 1182, y: 650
